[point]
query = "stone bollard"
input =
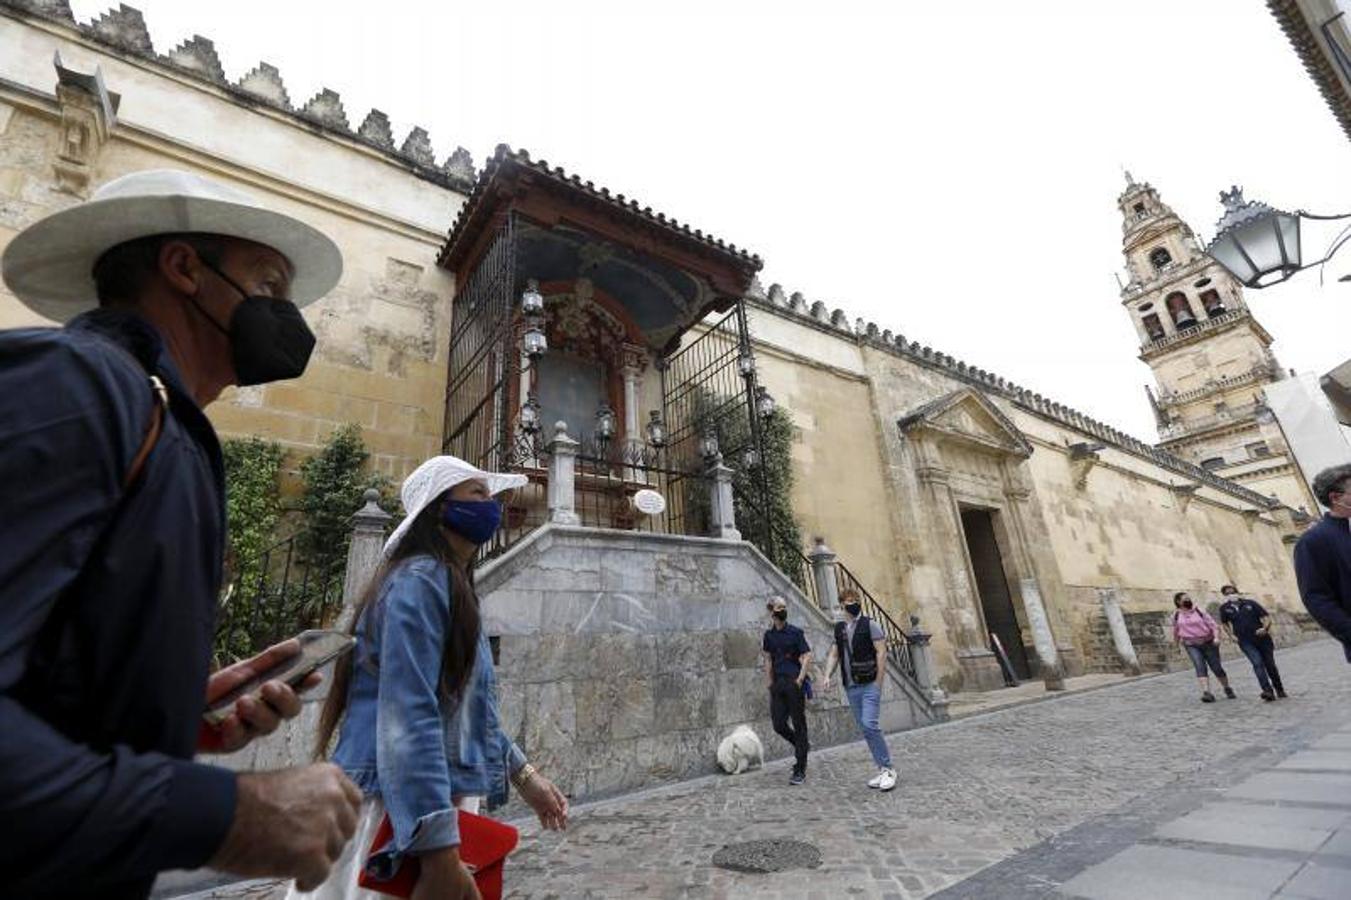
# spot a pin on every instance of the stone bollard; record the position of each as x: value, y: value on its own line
x: 563, y: 477
x: 922, y: 657
x: 1116, y: 623
x: 722, y: 513
x: 1052, y: 673
x: 824, y: 575
x: 363, y: 553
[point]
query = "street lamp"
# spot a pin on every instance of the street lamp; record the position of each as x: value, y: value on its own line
x: 533, y: 341
x: 708, y: 445
x: 751, y: 458
x: 532, y: 302
x: 764, y: 403
x: 1258, y: 245
x: 605, y: 423
x: 530, y: 415
x: 656, y: 430
x: 745, y: 363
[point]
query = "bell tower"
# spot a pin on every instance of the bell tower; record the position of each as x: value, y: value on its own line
x: 1210, y: 357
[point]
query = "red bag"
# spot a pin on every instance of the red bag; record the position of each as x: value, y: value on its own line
x: 484, y: 845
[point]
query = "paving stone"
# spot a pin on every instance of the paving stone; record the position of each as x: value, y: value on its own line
x: 1251, y: 825
x: 1319, y: 882
x: 1296, y: 787
x: 1338, y: 740
x: 1319, y: 760
x: 1165, y: 873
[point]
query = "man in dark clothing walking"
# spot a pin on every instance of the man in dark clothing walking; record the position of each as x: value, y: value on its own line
x: 1249, y: 624
x: 787, y: 656
x: 171, y: 287
x: 1323, y: 557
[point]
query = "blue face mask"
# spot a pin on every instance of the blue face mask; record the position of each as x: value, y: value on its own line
x: 473, y: 520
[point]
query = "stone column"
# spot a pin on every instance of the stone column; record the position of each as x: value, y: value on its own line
x: 562, y: 477
x: 1116, y: 623
x: 363, y: 553
x: 723, y: 514
x: 633, y: 442
x: 925, y: 673
x: 824, y: 575
x: 1051, y: 670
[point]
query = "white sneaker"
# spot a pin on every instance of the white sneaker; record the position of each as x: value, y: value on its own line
x: 876, y: 780
x: 885, y: 781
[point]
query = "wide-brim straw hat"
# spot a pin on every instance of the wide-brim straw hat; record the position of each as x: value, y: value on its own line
x: 432, y: 479
x: 49, y: 265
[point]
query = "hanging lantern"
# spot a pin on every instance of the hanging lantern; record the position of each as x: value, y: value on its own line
x: 532, y: 302
x: 656, y: 430
x: 750, y: 459
x: 745, y: 363
x: 1258, y: 245
x: 764, y: 403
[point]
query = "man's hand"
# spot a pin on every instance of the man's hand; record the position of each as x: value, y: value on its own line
x: 293, y: 824
x: 252, y: 717
x: 547, y: 801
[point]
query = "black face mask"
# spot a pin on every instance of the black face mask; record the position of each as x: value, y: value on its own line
x: 269, y: 340
x: 853, y: 608
x: 1186, y: 604
x: 781, y: 615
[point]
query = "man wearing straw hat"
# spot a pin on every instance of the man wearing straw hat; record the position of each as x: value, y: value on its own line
x: 169, y: 287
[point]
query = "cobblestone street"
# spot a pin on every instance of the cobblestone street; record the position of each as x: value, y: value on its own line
x: 973, y: 793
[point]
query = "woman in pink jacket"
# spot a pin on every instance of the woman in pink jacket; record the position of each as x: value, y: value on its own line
x: 1195, y: 630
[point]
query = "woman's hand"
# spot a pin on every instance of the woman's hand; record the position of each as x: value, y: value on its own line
x: 547, y: 801
x: 444, y: 877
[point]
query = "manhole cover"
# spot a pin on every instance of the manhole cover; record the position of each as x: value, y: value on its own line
x: 767, y: 856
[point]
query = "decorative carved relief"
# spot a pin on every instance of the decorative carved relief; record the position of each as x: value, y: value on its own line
x: 88, y: 114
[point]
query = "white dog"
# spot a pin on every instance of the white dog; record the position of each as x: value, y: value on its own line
x: 739, y: 749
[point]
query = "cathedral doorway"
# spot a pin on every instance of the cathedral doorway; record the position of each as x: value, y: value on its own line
x: 996, y: 600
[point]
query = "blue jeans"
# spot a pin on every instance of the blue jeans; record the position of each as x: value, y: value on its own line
x: 866, y: 702
x: 1206, y: 655
x: 1261, y: 652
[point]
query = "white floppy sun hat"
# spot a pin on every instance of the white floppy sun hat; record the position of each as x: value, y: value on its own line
x: 432, y: 479
x: 49, y: 265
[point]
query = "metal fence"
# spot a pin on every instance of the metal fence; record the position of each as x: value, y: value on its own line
x: 275, y: 595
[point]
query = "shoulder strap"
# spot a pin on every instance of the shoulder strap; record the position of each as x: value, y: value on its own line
x: 152, y: 432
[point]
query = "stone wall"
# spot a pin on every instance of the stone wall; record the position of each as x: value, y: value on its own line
x: 383, y: 332
x: 625, y: 658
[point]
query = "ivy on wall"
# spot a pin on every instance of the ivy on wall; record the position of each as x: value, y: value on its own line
x: 252, y: 502
x: 333, y: 482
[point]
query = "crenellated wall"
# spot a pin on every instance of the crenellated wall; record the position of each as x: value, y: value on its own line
x: 383, y: 332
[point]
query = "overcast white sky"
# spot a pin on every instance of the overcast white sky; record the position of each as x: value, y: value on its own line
x: 948, y: 170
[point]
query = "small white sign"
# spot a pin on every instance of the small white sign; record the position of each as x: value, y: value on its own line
x: 649, y: 503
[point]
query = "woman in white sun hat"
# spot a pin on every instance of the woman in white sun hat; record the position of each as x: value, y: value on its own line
x: 415, y: 705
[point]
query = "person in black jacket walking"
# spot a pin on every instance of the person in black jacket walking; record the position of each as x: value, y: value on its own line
x: 787, y: 656
x: 170, y: 287
x: 1249, y: 624
x: 1323, y: 557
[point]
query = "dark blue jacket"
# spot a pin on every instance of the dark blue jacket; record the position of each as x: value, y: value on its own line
x: 1323, y: 569
x: 107, y: 607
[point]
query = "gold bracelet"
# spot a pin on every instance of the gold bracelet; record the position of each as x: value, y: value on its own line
x: 523, y: 776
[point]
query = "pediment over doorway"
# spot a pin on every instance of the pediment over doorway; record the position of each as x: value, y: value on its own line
x: 967, y: 416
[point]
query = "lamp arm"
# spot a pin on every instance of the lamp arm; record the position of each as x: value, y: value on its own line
x: 1304, y: 213
x: 1336, y: 245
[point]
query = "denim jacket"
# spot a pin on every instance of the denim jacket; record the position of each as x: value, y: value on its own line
x: 399, y: 740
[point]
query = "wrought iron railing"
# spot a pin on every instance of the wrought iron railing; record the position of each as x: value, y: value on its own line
x: 276, y: 594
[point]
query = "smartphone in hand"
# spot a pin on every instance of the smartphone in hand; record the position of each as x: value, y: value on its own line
x: 317, y: 648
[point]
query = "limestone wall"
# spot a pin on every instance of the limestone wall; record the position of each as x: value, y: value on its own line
x: 624, y: 658
x: 381, y: 357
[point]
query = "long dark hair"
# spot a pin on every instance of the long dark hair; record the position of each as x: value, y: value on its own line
x: 425, y: 537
